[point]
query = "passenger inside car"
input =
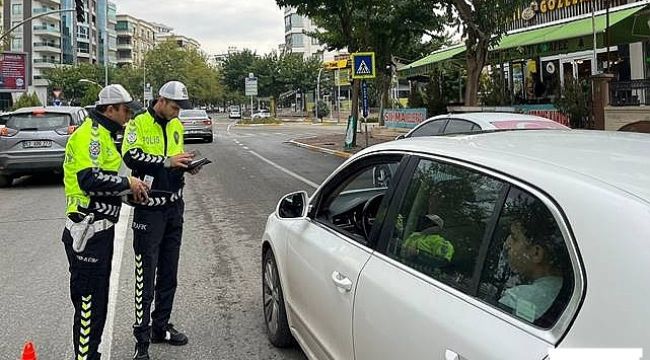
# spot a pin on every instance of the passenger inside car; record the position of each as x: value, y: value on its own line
x: 533, y: 247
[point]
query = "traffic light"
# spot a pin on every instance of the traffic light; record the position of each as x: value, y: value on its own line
x: 79, y: 6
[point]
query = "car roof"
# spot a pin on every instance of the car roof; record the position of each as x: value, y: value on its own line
x: 490, y: 117
x: 50, y: 109
x: 618, y: 159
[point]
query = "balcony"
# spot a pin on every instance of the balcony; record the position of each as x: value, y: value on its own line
x: 56, y: 3
x: 45, y: 30
x: 124, y: 46
x: 41, y: 10
x: 45, y: 63
x: 47, y: 47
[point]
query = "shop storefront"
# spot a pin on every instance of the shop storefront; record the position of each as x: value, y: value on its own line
x: 551, y: 42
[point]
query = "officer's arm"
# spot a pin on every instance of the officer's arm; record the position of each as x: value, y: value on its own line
x: 134, y: 157
x: 91, y: 179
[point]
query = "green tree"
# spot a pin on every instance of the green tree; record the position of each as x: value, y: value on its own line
x: 575, y: 102
x: 167, y: 61
x: 482, y: 24
x: 26, y: 100
x: 131, y: 78
x: 66, y: 78
x: 236, y: 69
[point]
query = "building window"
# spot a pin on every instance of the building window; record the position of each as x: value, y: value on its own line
x: 17, y: 44
x: 19, y: 29
x: 296, y: 20
x: 314, y: 41
x: 17, y: 9
x: 298, y: 40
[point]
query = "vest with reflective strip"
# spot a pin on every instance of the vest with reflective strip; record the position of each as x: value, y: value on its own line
x: 90, y: 146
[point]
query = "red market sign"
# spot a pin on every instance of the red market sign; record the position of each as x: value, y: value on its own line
x: 13, y: 72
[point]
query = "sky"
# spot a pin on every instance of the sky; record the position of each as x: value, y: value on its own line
x: 216, y: 24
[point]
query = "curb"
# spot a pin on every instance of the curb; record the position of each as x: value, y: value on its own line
x: 341, y: 154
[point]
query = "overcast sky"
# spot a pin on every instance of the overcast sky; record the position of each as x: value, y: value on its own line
x: 216, y: 24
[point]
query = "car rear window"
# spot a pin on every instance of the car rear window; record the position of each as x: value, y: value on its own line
x: 527, y: 124
x: 37, y: 121
x: 193, y: 114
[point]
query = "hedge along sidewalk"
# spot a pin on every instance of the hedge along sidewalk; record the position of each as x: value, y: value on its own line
x: 334, y: 144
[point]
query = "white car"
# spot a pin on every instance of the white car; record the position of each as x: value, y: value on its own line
x: 492, y: 246
x: 480, y: 121
x: 262, y: 114
x: 234, y: 112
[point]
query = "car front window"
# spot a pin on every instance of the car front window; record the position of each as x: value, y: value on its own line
x: 351, y: 204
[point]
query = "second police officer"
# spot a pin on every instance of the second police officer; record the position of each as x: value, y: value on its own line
x: 153, y: 149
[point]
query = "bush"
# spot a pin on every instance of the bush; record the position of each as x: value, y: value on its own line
x: 26, y: 100
x: 260, y: 121
x: 575, y: 102
x: 323, y: 109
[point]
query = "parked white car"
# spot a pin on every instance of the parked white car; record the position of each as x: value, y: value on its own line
x: 492, y: 246
x: 480, y: 121
x: 261, y: 114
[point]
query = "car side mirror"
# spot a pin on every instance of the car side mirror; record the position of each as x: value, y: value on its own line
x: 399, y: 137
x: 293, y: 206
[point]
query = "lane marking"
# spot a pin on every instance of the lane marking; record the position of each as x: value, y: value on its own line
x: 245, y: 147
x: 120, y: 237
x: 286, y: 171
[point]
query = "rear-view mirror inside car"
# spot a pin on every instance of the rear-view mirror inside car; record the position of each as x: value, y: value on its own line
x: 293, y: 205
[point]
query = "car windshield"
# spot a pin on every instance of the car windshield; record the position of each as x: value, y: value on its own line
x: 527, y: 124
x: 36, y: 121
x: 192, y: 114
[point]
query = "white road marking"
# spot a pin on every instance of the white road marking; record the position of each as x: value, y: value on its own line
x: 286, y: 171
x: 121, y: 228
x: 245, y: 147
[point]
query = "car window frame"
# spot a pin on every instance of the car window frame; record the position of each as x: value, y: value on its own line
x: 444, y: 131
x: 445, y: 121
x: 552, y: 335
x: 333, y: 182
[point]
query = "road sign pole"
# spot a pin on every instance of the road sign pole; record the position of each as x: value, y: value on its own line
x: 364, y: 105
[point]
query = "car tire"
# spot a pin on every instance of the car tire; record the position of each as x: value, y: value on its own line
x: 275, y: 314
x: 209, y: 139
x: 5, y: 181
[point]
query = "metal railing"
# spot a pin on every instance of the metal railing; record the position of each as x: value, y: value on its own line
x: 629, y: 93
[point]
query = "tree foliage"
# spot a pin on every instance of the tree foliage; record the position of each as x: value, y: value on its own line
x: 482, y: 24
x: 165, y: 62
x: 26, y: 100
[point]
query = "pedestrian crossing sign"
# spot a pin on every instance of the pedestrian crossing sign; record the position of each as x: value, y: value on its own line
x: 363, y: 65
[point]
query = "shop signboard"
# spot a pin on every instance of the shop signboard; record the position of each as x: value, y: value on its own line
x: 13, y: 72
x: 404, y: 118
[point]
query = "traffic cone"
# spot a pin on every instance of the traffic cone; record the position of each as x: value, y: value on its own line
x: 28, y: 352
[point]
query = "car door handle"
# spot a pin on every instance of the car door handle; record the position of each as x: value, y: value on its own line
x: 452, y: 355
x: 342, y: 282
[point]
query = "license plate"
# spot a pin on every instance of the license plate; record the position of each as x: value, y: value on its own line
x: 37, y: 144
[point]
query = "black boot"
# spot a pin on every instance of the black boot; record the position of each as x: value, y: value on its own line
x: 168, y: 335
x: 141, y: 351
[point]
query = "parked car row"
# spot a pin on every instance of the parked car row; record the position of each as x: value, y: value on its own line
x: 498, y: 245
x: 33, y: 139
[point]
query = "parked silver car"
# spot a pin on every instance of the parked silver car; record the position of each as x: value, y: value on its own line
x: 32, y: 140
x: 492, y: 246
x: 197, y: 124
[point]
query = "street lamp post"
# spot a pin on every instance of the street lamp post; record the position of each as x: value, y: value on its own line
x: 318, y: 91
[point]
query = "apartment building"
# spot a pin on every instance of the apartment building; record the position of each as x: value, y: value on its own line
x: 181, y: 40
x: 57, y: 38
x: 134, y: 38
x: 298, y: 42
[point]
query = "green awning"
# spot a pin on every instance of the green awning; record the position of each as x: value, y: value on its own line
x: 423, y: 66
x: 569, y: 30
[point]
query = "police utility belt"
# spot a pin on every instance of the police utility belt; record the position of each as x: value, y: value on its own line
x: 82, y: 231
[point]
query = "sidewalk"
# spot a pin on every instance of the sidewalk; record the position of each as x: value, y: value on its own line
x: 335, y: 143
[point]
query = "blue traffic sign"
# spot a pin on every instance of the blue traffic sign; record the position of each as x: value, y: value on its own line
x: 363, y: 65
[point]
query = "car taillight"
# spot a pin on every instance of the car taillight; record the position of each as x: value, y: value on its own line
x: 207, y: 122
x: 66, y: 130
x: 7, y: 132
